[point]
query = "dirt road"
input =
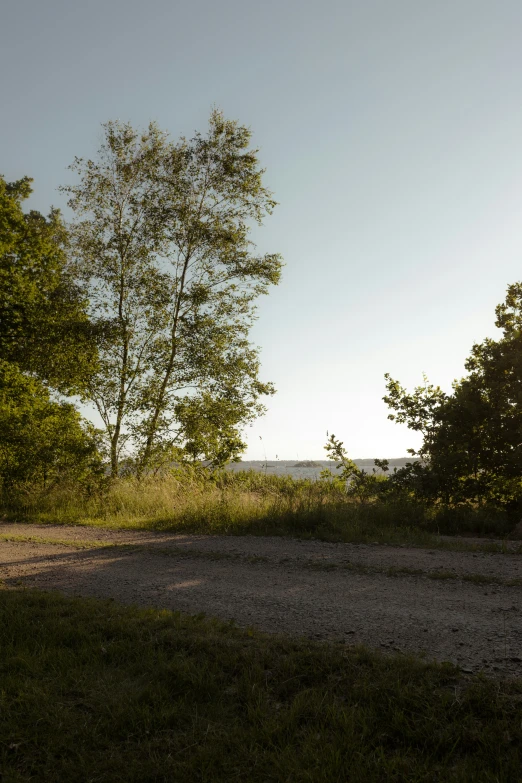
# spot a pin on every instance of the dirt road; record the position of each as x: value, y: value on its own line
x: 452, y: 606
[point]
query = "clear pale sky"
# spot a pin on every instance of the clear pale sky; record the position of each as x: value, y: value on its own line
x: 392, y: 137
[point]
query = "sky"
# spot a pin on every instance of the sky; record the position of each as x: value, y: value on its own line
x: 391, y: 136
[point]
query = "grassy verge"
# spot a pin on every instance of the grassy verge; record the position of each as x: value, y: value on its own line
x: 251, y: 503
x: 92, y: 691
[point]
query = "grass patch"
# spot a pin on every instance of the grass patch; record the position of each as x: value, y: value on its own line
x: 232, y: 504
x: 255, y: 504
x: 92, y: 691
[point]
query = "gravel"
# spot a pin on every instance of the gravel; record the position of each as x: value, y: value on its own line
x: 307, y: 588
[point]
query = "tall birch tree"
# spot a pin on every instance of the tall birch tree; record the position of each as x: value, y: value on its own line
x: 162, y: 248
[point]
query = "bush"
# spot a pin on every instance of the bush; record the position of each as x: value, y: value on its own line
x: 42, y: 442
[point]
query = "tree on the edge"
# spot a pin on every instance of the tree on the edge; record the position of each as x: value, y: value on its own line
x: 161, y: 239
x: 472, y: 449
x: 46, y: 344
x: 44, y: 327
x: 42, y: 441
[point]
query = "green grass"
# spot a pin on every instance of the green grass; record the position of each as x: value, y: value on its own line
x: 92, y: 691
x: 235, y: 504
x: 255, y: 504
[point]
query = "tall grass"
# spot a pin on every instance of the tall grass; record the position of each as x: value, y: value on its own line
x: 249, y: 502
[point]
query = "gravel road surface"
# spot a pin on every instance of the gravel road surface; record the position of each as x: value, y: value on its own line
x: 450, y: 606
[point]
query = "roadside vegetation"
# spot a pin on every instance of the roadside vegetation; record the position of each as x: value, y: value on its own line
x: 141, y: 307
x: 95, y: 691
x: 239, y: 503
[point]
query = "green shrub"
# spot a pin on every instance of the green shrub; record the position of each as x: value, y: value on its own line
x: 42, y: 442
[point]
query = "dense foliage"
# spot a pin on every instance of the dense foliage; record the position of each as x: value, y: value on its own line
x: 46, y: 342
x: 44, y: 327
x: 472, y: 438
x: 42, y: 441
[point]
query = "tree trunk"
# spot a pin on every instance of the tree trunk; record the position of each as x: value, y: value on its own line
x: 158, y: 408
x: 114, y: 456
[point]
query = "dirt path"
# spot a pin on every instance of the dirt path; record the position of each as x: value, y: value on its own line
x: 454, y: 606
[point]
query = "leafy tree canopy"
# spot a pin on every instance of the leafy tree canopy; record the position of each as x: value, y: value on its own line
x: 162, y: 249
x: 41, y: 441
x: 44, y: 327
x: 472, y: 448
